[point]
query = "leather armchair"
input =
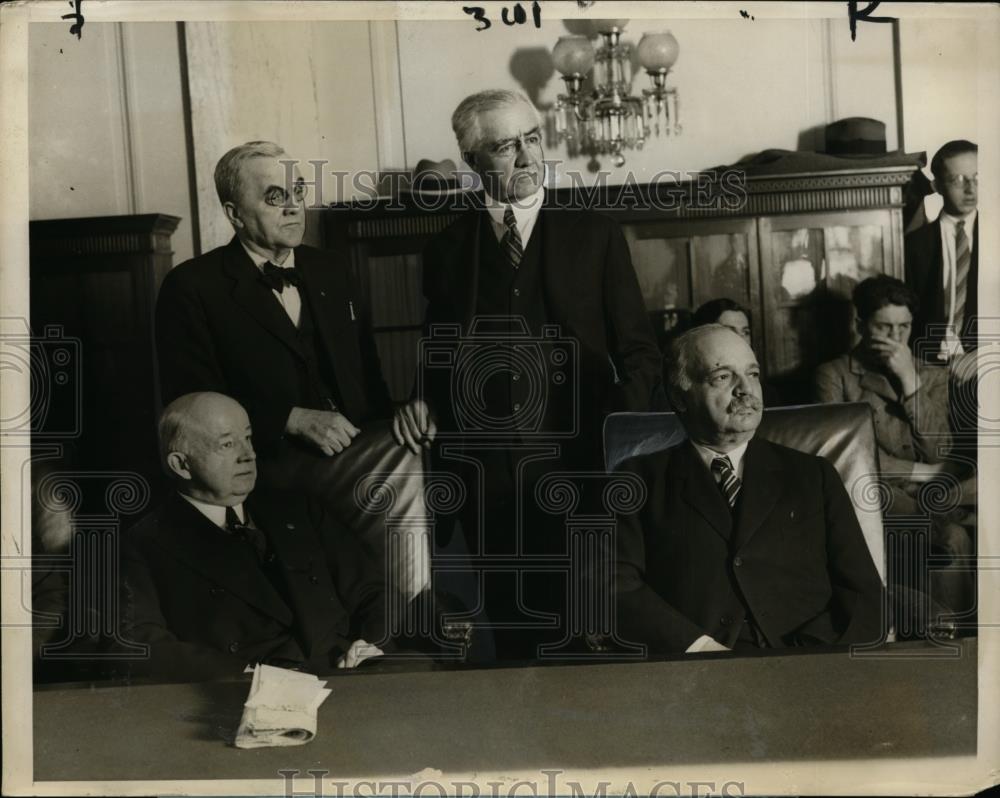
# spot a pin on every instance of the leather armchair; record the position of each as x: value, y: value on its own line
x: 842, y: 433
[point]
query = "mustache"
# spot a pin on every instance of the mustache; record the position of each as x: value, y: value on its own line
x: 747, y: 402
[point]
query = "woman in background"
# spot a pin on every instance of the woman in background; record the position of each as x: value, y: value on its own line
x: 733, y: 315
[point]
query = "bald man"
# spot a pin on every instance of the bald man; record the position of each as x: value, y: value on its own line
x: 282, y: 328
x: 219, y: 577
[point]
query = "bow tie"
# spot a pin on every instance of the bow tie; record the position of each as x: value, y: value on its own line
x: 277, y: 278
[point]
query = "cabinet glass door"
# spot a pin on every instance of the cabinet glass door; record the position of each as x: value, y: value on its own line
x: 681, y: 265
x: 809, y: 268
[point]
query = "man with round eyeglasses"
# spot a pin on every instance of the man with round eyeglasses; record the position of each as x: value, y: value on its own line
x: 280, y: 327
x: 519, y: 272
x: 942, y: 259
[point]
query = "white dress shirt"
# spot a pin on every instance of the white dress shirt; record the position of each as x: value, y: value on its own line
x: 289, y: 298
x: 216, y: 513
x: 735, y: 456
x: 706, y: 642
x: 525, y: 214
x: 948, y: 258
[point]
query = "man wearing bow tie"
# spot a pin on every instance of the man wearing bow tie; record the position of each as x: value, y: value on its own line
x: 222, y: 576
x: 280, y: 327
x: 742, y: 543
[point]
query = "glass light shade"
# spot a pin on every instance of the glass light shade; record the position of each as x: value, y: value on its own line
x: 658, y: 51
x: 609, y: 25
x: 573, y: 55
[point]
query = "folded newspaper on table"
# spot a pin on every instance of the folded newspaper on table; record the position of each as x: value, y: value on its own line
x: 281, y: 708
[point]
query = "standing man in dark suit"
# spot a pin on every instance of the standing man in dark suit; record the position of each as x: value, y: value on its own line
x: 742, y: 543
x: 942, y: 269
x: 279, y: 326
x: 561, y: 338
x: 942, y: 258
x: 217, y: 578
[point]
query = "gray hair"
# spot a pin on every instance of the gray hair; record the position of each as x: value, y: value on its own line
x: 181, y: 428
x: 230, y: 166
x: 679, y: 358
x: 465, y: 119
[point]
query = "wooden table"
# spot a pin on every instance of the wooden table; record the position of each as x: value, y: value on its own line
x: 812, y: 705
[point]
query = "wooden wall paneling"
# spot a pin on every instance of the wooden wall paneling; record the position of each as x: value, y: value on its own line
x: 306, y: 86
x: 836, y: 216
x: 95, y: 281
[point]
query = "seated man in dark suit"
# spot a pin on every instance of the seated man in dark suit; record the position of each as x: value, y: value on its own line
x: 741, y: 543
x: 909, y: 400
x: 217, y: 578
x: 280, y: 327
x: 733, y: 315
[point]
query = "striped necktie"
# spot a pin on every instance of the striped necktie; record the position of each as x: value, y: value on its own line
x: 511, y: 242
x: 963, y: 259
x: 729, y: 483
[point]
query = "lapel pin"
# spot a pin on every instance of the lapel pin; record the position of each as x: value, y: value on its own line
x: 322, y: 293
x: 350, y: 306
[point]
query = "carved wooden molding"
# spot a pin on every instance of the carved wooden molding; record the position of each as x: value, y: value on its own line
x: 765, y: 195
x: 102, y: 235
x: 400, y: 225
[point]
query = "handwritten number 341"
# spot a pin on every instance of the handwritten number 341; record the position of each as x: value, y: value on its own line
x: 520, y: 16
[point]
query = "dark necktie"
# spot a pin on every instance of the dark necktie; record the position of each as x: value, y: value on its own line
x: 729, y: 483
x: 277, y: 278
x: 963, y: 259
x: 252, y: 536
x: 511, y: 242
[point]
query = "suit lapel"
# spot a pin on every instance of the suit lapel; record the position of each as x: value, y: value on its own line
x: 332, y: 314
x: 700, y: 491
x: 873, y: 381
x: 203, y: 547
x: 261, y: 305
x: 465, y: 266
x: 289, y: 532
x: 934, y: 287
x: 558, y: 262
x: 762, y: 485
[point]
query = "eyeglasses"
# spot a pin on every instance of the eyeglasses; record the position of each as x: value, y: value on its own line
x: 962, y: 181
x: 510, y: 146
x: 278, y: 197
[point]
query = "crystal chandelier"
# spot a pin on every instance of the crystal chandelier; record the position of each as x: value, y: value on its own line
x: 609, y: 119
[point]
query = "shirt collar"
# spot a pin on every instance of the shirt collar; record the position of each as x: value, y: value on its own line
x: 969, y: 219
x: 525, y: 210
x: 735, y: 455
x: 259, y: 260
x: 216, y: 513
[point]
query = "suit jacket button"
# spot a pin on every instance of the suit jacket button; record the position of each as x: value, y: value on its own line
x: 234, y: 647
x: 314, y: 579
x: 289, y: 526
x: 725, y: 620
x: 738, y: 562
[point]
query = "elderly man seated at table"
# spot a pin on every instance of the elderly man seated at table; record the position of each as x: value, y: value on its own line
x: 220, y: 577
x: 742, y: 543
x: 910, y: 404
